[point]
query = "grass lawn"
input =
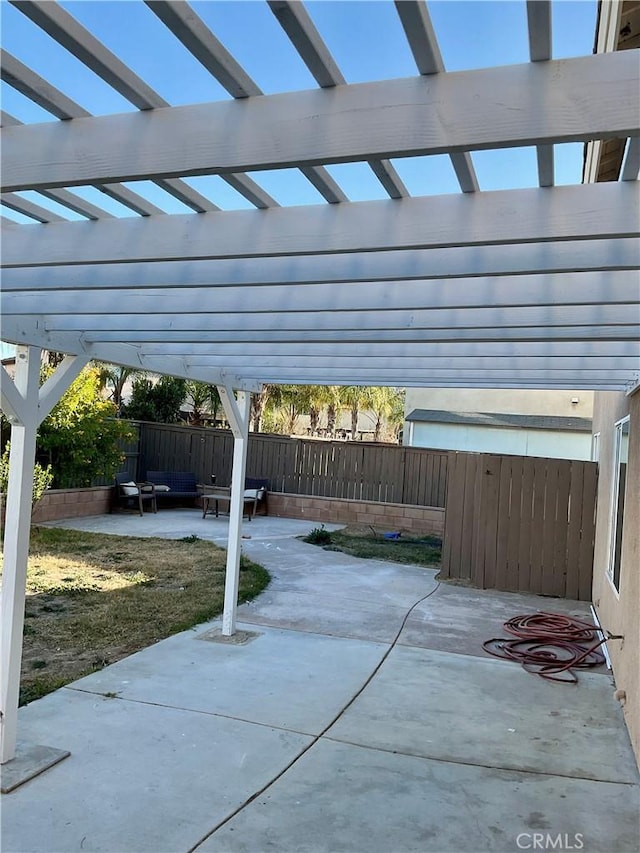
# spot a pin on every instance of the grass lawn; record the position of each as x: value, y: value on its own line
x: 364, y: 541
x: 93, y: 598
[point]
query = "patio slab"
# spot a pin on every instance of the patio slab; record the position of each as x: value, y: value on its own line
x: 140, y: 777
x: 460, y: 618
x: 213, y: 747
x: 492, y: 713
x: 336, y: 616
x: 188, y: 521
x: 286, y: 679
x: 340, y: 798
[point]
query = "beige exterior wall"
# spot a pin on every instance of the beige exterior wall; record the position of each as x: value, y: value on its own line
x: 620, y: 614
x: 513, y: 402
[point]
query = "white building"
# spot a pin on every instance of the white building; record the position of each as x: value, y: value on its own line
x: 555, y: 424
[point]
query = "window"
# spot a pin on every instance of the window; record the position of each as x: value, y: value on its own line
x: 595, y: 447
x: 621, y: 456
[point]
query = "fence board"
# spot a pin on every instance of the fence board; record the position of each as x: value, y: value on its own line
x: 574, y: 531
x: 502, y: 580
x: 452, y: 542
x: 548, y: 569
x: 585, y: 570
x: 559, y: 582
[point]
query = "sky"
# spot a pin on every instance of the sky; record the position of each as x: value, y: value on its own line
x: 367, y: 42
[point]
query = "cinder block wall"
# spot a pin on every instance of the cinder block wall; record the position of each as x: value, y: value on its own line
x: 387, y: 516
x: 70, y: 503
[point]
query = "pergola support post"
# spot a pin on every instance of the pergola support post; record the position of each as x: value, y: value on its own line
x: 237, y: 410
x: 26, y: 405
x: 24, y: 426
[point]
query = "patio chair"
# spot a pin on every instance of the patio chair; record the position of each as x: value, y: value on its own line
x: 130, y: 494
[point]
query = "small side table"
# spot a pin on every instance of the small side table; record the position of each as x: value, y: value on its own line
x: 211, y: 498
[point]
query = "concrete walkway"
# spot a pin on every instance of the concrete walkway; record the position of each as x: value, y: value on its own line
x: 362, y: 715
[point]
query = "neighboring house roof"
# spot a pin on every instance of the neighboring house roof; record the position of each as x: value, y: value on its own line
x: 500, y: 420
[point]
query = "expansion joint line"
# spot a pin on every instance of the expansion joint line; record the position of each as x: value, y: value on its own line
x: 319, y: 736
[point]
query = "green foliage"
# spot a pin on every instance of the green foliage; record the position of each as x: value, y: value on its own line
x: 81, y: 437
x: 42, y: 477
x: 318, y: 536
x: 114, y: 377
x: 159, y: 402
x: 204, y: 400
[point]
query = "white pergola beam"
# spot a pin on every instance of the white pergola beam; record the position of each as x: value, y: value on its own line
x: 631, y: 165
x: 414, y: 321
x: 539, y: 24
x: 30, y: 331
x: 621, y: 332
x: 445, y: 113
x: 590, y: 212
x: 540, y: 50
x: 394, y: 265
x: 296, y: 22
x: 553, y: 289
x: 30, y: 208
x: 191, y: 30
x: 107, y: 65
x: 194, y: 34
x: 41, y: 92
x: 415, y: 18
x: 68, y: 32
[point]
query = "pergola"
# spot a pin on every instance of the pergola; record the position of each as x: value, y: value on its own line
x: 521, y: 288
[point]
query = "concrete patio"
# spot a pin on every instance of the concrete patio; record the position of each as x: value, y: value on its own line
x: 362, y: 716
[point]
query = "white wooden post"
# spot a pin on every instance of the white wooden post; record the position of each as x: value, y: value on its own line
x: 24, y: 425
x: 237, y: 412
x: 25, y: 405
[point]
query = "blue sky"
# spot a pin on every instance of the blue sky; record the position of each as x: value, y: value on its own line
x: 367, y: 42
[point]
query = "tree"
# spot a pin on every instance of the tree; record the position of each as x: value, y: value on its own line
x: 259, y: 403
x: 356, y: 397
x: 156, y: 401
x: 42, y: 477
x: 81, y: 437
x: 288, y: 402
x: 387, y: 404
x: 115, y: 377
x: 204, y: 399
x: 334, y: 406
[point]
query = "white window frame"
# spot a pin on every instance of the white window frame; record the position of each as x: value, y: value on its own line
x: 615, y: 494
x: 595, y: 447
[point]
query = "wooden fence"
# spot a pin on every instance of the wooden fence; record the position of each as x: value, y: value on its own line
x: 355, y: 470
x: 521, y: 524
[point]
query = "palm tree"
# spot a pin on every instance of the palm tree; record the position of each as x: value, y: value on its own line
x: 334, y: 405
x: 204, y: 399
x: 258, y: 405
x: 115, y: 377
x: 387, y: 404
x: 356, y: 397
x: 317, y: 396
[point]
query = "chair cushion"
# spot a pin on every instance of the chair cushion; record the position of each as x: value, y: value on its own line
x: 162, y: 488
x: 253, y: 494
x: 129, y: 488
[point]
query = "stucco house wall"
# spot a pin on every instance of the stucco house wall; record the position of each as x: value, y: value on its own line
x: 512, y: 401
x: 520, y: 442
x: 548, y: 421
x: 619, y: 612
